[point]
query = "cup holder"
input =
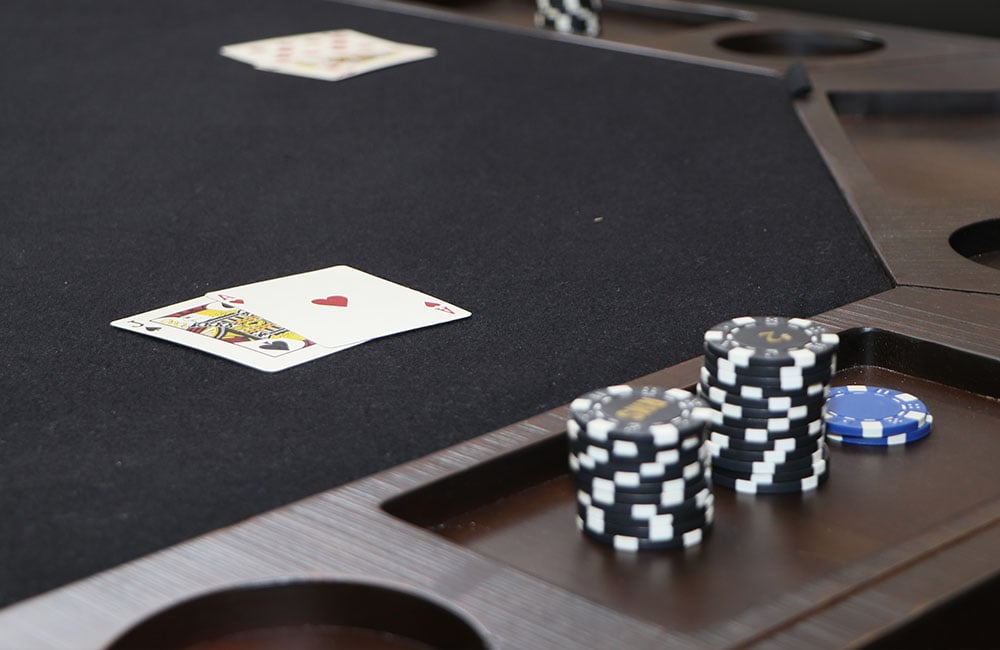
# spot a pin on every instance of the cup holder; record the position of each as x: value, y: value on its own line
x: 801, y: 43
x: 980, y: 242
x: 306, y: 615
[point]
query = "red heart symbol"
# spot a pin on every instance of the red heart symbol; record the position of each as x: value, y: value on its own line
x: 438, y: 306
x: 331, y: 301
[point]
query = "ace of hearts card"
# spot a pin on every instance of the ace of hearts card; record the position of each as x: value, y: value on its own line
x: 340, y: 305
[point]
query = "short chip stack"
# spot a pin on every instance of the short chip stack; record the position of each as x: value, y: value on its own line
x: 569, y: 16
x: 637, y: 458
x: 766, y: 379
x: 873, y: 416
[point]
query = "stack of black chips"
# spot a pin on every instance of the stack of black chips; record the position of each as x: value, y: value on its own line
x: 640, y: 468
x: 767, y: 378
x: 569, y: 16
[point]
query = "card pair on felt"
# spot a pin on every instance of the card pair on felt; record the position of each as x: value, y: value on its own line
x: 280, y: 323
x: 330, y: 55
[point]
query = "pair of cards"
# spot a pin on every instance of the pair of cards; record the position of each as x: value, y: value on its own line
x: 331, y: 55
x: 280, y: 323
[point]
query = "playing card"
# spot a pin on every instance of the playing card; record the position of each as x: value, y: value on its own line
x: 341, y: 305
x: 227, y: 331
x: 330, y: 55
x: 313, y: 48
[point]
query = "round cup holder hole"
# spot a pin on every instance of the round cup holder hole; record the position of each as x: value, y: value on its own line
x: 979, y: 242
x: 313, y: 615
x: 801, y: 43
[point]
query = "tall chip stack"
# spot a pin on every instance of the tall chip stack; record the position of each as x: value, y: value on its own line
x: 637, y: 457
x: 767, y: 379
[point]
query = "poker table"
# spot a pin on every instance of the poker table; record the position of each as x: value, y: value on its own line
x: 597, y: 204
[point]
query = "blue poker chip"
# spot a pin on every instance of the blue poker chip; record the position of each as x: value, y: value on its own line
x: 873, y: 412
x: 888, y: 441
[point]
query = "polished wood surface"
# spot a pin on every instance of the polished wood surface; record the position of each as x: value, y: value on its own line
x: 763, y: 546
x: 483, y: 530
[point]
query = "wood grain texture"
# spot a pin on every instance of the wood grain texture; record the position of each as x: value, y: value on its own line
x: 674, y: 26
x: 912, y: 179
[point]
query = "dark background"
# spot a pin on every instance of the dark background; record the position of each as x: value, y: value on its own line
x: 139, y: 168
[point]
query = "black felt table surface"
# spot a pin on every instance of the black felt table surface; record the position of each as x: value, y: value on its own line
x: 595, y: 210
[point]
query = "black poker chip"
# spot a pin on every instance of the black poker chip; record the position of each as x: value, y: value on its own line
x: 622, y: 451
x: 759, y: 393
x: 777, y: 475
x: 660, y: 416
x: 680, y: 519
x: 686, y: 509
x: 772, y: 341
x: 627, y: 451
x: 630, y: 543
x: 811, y: 405
x: 802, y: 412
x: 791, y: 382
x: 655, y: 530
x: 628, y: 482
x: 582, y: 17
x: 662, y: 438
x: 765, y: 456
x: 813, y: 428
x: 664, y: 528
x: 595, y: 458
x: 725, y: 365
x: 678, y: 505
x: 788, y: 388
x: 636, y: 479
x: 667, y: 497
x: 743, y: 486
x: 722, y: 364
x: 771, y: 444
x: 716, y: 395
x: 774, y: 424
x: 732, y: 465
x: 594, y: 484
x: 752, y: 373
x: 651, y: 469
x: 625, y: 516
x: 774, y: 477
